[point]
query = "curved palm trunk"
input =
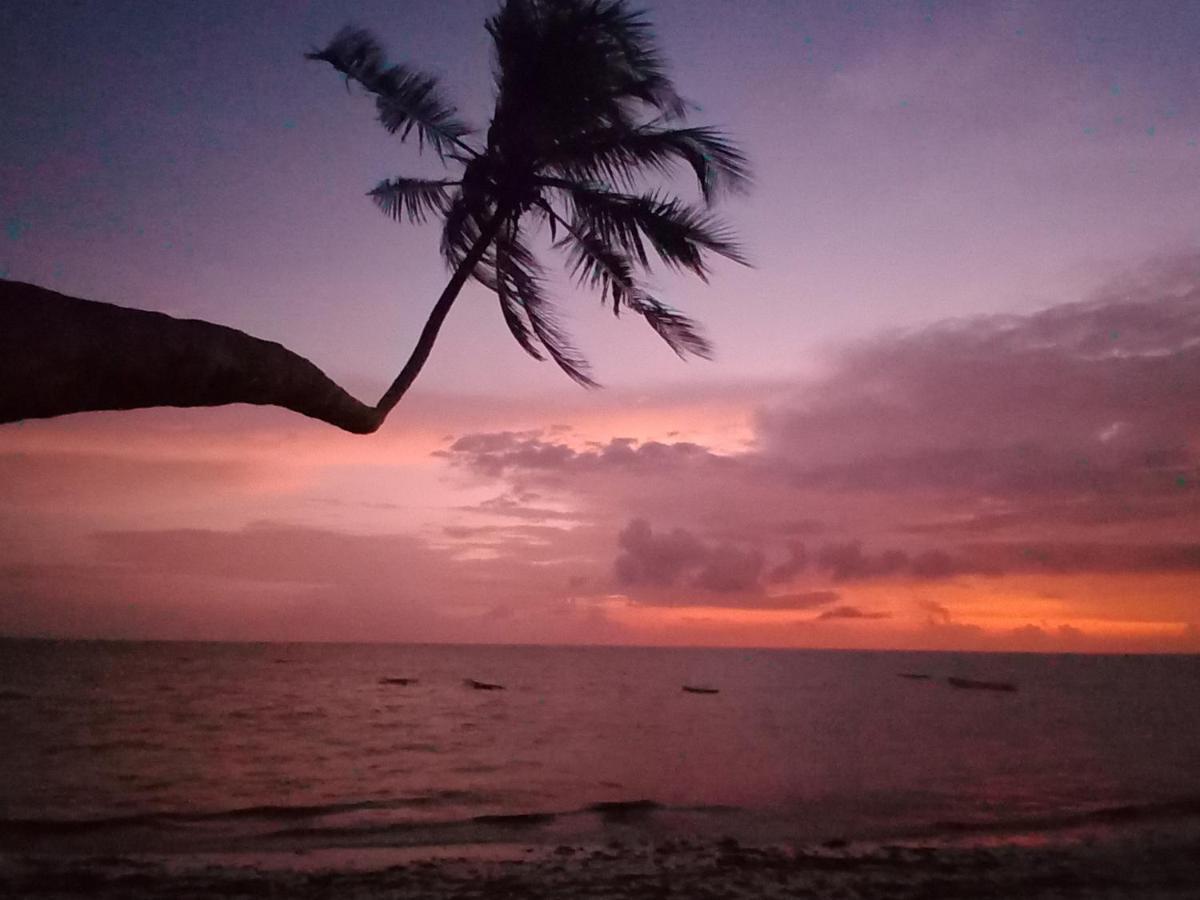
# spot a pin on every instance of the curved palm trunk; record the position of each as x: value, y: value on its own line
x: 434, y: 323
x: 61, y: 355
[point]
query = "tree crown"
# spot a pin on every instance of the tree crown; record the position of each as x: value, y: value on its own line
x: 584, y: 114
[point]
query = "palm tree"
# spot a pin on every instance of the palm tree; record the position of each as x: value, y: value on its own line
x: 585, y: 115
x: 584, y: 111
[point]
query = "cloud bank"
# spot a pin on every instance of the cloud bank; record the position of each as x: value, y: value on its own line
x: 953, y: 485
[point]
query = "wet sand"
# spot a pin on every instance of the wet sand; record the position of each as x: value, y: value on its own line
x: 1143, y: 862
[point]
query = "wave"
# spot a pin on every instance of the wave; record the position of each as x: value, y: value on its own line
x: 624, y: 809
x: 273, y: 826
x: 479, y: 828
x: 516, y: 820
x: 1178, y: 808
x: 267, y: 813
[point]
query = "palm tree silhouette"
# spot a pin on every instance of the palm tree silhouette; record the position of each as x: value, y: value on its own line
x: 585, y: 115
x: 584, y: 109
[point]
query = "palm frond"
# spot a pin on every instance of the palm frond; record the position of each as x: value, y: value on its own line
x: 497, y: 276
x: 680, y: 333
x: 557, y: 344
x: 585, y: 113
x: 566, y: 67
x: 618, y: 155
x: 405, y: 99
x: 414, y: 198
x: 462, y: 226
x: 518, y: 284
x: 516, y: 319
x: 595, y: 263
x: 681, y: 235
x: 630, y: 32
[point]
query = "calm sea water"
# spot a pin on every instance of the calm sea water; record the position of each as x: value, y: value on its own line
x: 175, y: 747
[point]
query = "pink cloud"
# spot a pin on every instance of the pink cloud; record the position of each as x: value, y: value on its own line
x: 1068, y: 436
x: 1058, y: 443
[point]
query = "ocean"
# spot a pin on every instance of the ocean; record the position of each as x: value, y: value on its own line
x: 205, y: 747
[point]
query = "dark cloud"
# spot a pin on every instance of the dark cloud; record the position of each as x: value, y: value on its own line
x: 934, y: 564
x: 937, y: 613
x: 1062, y: 441
x: 796, y: 563
x: 729, y: 569
x: 803, y: 600
x: 517, y: 505
x: 846, y: 562
x: 678, y: 558
x: 850, y: 562
x: 1085, y: 511
x: 850, y: 612
x: 515, y: 453
x: 1092, y: 398
x: 1064, y: 557
x: 495, y: 453
x: 658, y: 560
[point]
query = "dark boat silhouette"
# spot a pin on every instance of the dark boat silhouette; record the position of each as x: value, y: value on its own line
x: 482, y: 685
x: 400, y: 681
x: 915, y: 676
x: 700, y: 690
x: 973, y: 685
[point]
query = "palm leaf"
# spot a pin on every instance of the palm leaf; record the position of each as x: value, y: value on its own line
x: 680, y: 234
x: 555, y: 341
x: 518, y: 283
x: 680, y: 333
x: 414, y: 198
x: 631, y: 33
x: 566, y: 68
x: 618, y: 154
x: 462, y: 226
x: 499, y: 265
x: 516, y: 319
x: 596, y: 263
x: 601, y: 212
x: 404, y: 98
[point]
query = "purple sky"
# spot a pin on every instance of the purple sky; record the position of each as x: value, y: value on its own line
x: 976, y: 240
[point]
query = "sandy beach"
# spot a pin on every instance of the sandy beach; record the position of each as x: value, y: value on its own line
x: 1140, y: 861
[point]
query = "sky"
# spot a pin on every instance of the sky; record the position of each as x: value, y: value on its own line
x: 955, y: 402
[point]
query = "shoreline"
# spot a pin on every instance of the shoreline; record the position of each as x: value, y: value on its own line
x: 1143, y: 859
x: 289, y: 832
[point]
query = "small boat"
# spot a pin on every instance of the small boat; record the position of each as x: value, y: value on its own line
x: 700, y: 690
x: 973, y: 685
x: 915, y: 676
x: 400, y: 681
x: 482, y: 685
